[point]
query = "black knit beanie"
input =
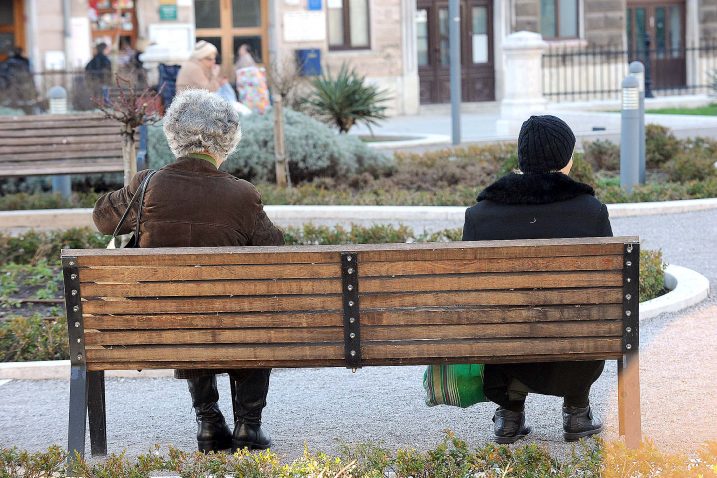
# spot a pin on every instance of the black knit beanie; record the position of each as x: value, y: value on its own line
x: 545, y: 143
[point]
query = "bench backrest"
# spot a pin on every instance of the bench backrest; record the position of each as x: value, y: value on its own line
x: 353, y: 305
x: 59, y: 144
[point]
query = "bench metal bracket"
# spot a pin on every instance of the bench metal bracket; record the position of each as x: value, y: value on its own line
x: 352, y: 316
x: 631, y: 298
x: 73, y: 305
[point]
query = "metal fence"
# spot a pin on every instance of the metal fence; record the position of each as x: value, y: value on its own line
x: 596, y: 73
x: 28, y: 91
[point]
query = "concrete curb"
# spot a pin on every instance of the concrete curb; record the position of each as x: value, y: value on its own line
x: 687, y: 288
x: 45, y: 219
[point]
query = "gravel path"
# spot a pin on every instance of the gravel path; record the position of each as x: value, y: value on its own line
x: 323, y: 407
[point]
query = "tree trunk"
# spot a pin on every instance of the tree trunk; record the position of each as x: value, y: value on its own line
x: 129, y: 154
x: 282, y: 168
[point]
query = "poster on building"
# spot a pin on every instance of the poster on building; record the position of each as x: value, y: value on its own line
x: 304, y: 26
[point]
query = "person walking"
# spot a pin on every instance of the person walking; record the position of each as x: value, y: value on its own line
x: 540, y: 202
x: 190, y: 203
x: 251, y: 84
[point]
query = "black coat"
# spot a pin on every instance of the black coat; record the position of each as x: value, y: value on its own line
x: 538, y: 206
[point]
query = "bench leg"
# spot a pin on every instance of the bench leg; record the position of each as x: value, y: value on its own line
x: 628, y: 390
x: 96, y: 409
x: 78, y: 412
x: 233, y: 385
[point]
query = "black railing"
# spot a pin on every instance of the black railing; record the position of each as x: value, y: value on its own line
x: 596, y: 73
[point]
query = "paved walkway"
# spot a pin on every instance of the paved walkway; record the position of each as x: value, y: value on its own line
x: 482, y: 123
x: 322, y: 407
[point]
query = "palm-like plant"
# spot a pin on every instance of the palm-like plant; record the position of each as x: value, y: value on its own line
x: 346, y: 99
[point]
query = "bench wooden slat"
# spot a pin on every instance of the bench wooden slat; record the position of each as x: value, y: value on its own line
x: 31, y: 133
x: 98, y: 141
x: 225, y: 336
x: 145, y: 274
x: 489, y: 315
x: 333, y: 286
x: 50, y: 118
x: 111, y: 165
x: 129, y: 275
x: 216, y: 353
x: 372, y: 352
x: 335, y: 334
x: 45, y: 125
x: 607, y: 328
x: 323, y: 254
x: 56, y: 147
x: 494, y: 297
x: 26, y: 159
x: 208, y: 289
x: 239, y: 304
x: 492, y: 347
x: 201, y: 321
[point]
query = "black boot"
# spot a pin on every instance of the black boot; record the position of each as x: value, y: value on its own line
x: 252, y: 387
x: 509, y: 426
x: 212, y: 432
x: 578, y: 422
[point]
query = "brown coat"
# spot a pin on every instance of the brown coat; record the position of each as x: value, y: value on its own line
x: 189, y: 203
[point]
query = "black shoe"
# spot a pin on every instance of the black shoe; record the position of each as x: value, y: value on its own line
x: 213, y: 434
x: 250, y: 436
x: 578, y: 422
x: 509, y: 426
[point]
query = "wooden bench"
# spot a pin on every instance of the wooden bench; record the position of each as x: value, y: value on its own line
x: 39, y: 145
x: 350, y: 306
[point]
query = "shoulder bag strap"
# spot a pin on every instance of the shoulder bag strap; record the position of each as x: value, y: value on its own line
x: 137, y: 194
x: 139, y: 208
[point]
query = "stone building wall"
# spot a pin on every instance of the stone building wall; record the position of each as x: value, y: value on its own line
x: 604, y: 22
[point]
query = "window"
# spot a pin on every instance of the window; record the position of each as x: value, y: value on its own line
x: 559, y: 19
x: 348, y: 24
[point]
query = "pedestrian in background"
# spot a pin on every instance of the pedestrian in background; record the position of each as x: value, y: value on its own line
x: 251, y: 84
x: 540, y: 202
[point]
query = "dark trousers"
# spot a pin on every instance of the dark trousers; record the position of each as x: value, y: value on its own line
x: 508, y: 384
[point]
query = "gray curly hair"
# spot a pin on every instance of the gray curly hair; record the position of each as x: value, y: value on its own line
x: 201, y: 121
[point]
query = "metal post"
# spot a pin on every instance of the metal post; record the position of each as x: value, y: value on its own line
x: 637, y: 70
x: 58, y: 106
x: 454, y: 39
x: 629, y: 134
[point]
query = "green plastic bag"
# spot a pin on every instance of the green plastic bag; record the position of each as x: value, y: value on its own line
x: 459, y: 385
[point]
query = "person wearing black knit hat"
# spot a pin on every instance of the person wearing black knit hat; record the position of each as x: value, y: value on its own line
x: 540, y: 202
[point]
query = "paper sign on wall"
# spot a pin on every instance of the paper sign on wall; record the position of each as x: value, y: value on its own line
x: 304, y: 26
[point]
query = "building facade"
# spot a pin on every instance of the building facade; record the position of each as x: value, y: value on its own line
x: 401, y: 45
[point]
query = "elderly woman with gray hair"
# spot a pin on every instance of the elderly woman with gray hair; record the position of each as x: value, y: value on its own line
x: 190, y: 203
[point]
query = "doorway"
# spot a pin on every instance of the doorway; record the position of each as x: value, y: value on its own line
x: 478, y: 75
x: 656, y: 29
x: 12, y: 27
x: 227, y: 24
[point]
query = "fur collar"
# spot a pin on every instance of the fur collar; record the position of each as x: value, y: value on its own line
x: 534, y: 189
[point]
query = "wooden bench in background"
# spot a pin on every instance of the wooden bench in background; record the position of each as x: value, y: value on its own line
x: 39, y: 145
x: 352, y: 306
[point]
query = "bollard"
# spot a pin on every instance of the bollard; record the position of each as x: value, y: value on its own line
x: 629, y: 134
x: 58, y: 106
x: 637, y: 70
x: 454, y: 42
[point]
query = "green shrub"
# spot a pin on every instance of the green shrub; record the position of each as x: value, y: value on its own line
x: 24, y: 201
x: 32, y: 247
x: 652, y: 274
x: 602, y: 155
x: 312, y: 150
x: 346, y: 100
x: 660, y: 145
x: 24, y: 339
x: 695, y: 161
x: 452, y: 458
